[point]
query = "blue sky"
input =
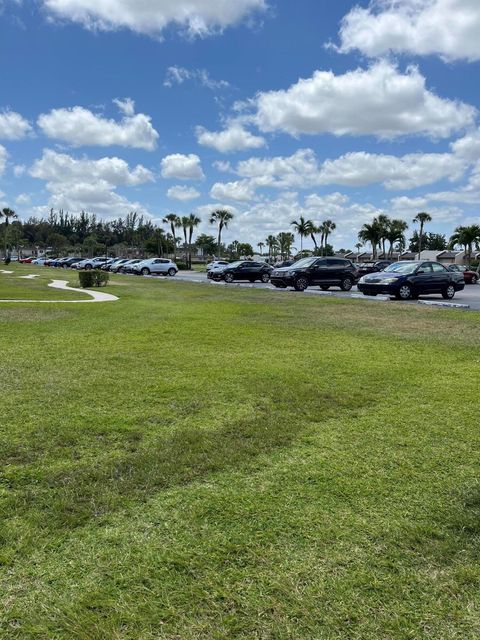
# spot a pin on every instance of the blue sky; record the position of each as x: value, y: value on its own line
x: 270, y: 108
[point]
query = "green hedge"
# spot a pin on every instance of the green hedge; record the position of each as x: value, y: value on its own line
x: 93, y: 278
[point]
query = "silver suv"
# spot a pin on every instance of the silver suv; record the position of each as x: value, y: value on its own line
x: 161, y: 266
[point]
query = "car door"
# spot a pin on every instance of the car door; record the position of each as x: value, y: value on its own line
x: 440, y: 277
x: 319, y: 272
x: 241, y: 272
x: 422, y: 279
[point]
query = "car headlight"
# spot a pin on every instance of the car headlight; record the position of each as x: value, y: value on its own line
x: 388, y: 280
x: 362, y: 280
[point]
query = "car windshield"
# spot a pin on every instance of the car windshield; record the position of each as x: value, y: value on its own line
x: 402, y: 267
x: 304, y: 262
x: 237, y: 263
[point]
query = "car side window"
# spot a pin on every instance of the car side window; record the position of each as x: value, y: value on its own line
x: 438, y: 268
x: 426, y: 267
x: 321, y: 264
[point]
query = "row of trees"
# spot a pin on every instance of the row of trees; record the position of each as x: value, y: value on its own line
x: 62, y: 231
x: 383, y: 229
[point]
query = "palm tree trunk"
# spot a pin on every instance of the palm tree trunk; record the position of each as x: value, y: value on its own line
x: 420, y: 239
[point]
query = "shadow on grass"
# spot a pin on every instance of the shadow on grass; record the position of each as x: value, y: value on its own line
x: 90, y: 490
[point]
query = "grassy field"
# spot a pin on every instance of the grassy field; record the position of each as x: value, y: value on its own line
x: 196, y: 462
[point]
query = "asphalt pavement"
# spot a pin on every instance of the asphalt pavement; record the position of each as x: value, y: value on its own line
x: 469, y: 298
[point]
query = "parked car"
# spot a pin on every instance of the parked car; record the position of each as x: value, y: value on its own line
x: 323, y: 272
x: 91, y: 263
x: 116, y: 266
x: 113, y: 262
x: 127, y: 267
x: 67, y: 263
x: 243, y: 270
x: 470, y: 276
x: 216, y: 264
x: 410, y: 279
x: 155, y: 266
x: 372, y: 267
x: 40, y: 261
x: 27, y: 260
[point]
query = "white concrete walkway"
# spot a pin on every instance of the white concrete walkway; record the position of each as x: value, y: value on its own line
x: 97, y: 296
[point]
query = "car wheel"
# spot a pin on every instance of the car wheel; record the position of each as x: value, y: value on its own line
x: 301, y: 284
x: 145, y: 272
x: 171, y: 272
x: 346, y: 284
x: 228, y: 277
x: 474, y: 280
x: 324, y: 287
x: 265, y: 278
x: 88, y: 267
x: 65, y: 266
x: 405, y: 292
x: 449, y: 292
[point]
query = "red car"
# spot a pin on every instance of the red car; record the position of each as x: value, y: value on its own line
x: 470, y: 277
x: 26, y: 260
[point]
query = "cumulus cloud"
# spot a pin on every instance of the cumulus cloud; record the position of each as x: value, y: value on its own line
x: 75, y: 184
x: 178, y: 75
x: 234, y: 138
x: 468, y: 147
x: 196, y: 17
x: 299, y: 170
x: 3, y: 159
x: 407, y: 172
x: 79, y: 126
x: 126, y: 106
x: 23, y: 200
x: 448, y: 28
x: 378, y: 101
x: 182, y: 167
x: 13, y: 126
x: 241, y: 191
x: 184, y: 194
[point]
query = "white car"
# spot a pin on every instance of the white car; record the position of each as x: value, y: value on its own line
x: 91, y: 263
x: 40, y: 261
x: 216, y: 264
x: 161, y: 266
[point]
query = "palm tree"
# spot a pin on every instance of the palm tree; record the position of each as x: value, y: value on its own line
x: 422, y: 218
x: 221, y: 218
x: 358, y: 246
x: 184, y: 225
x: 285, y: 242
x: 466, y: 237
x: 261, y: 246
x: 395, y: 233
x: 7, y: 214
x: 384, y: 223
x: 174, y: 221
x: 304, y: 228
x: 272, y: 244
x: 328, y: 226
x: 371, y: 233
x: 193, y: 221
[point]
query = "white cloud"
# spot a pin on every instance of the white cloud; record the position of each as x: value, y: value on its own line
x: 468, y: 147
x: 126, y: 106
x: 19, y: 170
x: 223, y: 166
x: 178, y: 75
x: 182, y: 167
x: 410, y: 171
x: 79, y: 126
x: 3, y: 159
x: 23, y: 200
x: 234, y: 138
x: 76, y: 184
x: 13, y: 126
x: 182, y: 193
x: 196, y: 17
x: 241, y: 191
x: 299, y: 170
x: 377, y: 101
x: 449, y: 28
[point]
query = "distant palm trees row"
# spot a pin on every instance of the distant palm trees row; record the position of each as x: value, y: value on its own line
x: 306, y: 228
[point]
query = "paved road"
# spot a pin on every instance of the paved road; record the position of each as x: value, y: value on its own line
x: 470, y: 296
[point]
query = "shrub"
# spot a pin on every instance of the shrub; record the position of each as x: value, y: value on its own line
x: 182, y: 266
x: 93, y: 278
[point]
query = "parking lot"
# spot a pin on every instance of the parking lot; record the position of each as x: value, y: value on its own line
x: 468, y: 298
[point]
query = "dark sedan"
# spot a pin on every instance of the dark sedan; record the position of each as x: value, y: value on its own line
x: 470, y: 276
x: 410, y: 279
x: 323, y: 272
x: 243, y: 270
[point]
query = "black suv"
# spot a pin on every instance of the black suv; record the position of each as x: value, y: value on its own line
x: 243, y: 270
x: 324, y: 272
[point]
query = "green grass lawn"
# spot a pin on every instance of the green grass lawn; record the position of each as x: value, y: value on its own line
x: 197, y: 462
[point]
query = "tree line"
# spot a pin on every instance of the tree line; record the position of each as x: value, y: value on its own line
x: 86, y: 234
